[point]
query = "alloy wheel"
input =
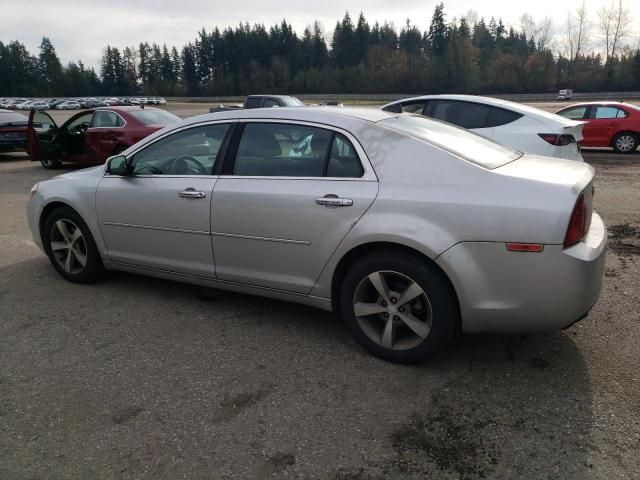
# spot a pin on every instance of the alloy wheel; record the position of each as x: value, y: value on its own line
x: 392, y: 310
x: 625, y: 143
x: 68, y: 246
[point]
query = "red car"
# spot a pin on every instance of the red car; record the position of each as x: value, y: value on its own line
x: 91, y: 136
x: 608, y: 124
x: 13, y: 131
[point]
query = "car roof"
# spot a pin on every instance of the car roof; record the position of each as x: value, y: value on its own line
x: 126, y: 108
x: 528, y: 110
x: 340, y: 117
x: 606, y: 102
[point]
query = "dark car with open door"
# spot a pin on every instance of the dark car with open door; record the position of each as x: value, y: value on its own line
x: 13, y: 130
x: 91, y: 136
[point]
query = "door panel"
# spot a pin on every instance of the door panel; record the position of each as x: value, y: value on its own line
x: 146, y: 221
x: 42, y: 137
x: 273, y: 233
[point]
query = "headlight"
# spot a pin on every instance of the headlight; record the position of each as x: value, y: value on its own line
x: 34, y: 189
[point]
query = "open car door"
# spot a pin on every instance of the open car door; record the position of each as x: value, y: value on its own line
x: 42, y: 135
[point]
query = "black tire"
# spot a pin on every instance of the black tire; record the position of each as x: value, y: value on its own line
x: 625, y: 142
x: 444, y: 317
x: 92, y: 269
x: 50, y: 163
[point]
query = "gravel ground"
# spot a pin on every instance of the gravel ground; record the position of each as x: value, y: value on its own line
x: 142, y: 378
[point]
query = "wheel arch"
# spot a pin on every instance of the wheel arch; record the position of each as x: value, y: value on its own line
x: 359, y: 251
x: 622, y: 132
x: 47, y: 210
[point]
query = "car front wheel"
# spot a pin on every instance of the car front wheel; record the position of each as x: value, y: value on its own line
x: 50, y: 163
x: 625, y: 142
x: 398, y: 306
x: 70, y: 247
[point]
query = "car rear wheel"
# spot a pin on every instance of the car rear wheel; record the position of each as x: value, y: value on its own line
x: 625, y: 142
x: 398, y: 306
x: 70, y: 247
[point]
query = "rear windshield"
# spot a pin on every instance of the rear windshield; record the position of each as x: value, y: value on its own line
x: 154, y: 117
x: 463, y: 143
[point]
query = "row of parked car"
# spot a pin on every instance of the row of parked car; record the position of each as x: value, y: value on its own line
x: 76, y: 103
x: 94, y: 134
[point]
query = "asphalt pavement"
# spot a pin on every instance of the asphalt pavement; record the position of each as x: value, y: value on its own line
x: 141, y: 378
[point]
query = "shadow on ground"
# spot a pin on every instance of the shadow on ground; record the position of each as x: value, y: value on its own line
x: 146, y: 377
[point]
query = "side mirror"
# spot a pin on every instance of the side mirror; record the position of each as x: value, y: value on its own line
x: 118, y: 165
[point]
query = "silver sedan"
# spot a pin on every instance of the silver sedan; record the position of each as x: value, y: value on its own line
x: 409, y: 228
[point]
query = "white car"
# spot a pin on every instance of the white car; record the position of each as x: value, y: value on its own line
x: 518, y: 126
x: 69, y: 105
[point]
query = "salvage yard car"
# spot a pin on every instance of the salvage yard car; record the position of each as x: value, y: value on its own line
x: 13, y: 131
x: 90, y: 137
x: 408, y: 227
x: 518, y: 126
x: 608, y: 124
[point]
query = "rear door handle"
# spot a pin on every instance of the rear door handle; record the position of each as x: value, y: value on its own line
x: 332, y: 200
x: 191, y: 193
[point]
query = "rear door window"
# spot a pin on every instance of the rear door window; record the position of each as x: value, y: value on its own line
x: 106, y: 119
x: 282, y: 150
x: 464, y: 114
x: 413, y: 107
x: 604, y: 112
x: 291, y: 150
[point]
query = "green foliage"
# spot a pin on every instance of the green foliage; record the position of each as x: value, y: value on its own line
x: 454, y: 57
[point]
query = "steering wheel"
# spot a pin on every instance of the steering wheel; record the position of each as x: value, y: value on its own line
x: 196, y: 168
x: 80, y: 128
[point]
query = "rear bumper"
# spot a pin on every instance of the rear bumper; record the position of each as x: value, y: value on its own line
x: 502, y: 291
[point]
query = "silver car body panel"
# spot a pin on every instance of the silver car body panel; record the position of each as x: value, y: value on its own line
x: 267, y: 235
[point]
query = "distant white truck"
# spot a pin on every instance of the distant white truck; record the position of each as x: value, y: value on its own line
x: 565, y: 94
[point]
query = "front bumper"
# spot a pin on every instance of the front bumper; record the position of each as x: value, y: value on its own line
x: 34, y: 210
x: 502, y: 291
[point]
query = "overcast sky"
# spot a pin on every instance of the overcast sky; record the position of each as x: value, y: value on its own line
x: 81, y: 29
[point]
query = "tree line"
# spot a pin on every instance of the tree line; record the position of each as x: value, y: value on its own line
x: 463, y: 55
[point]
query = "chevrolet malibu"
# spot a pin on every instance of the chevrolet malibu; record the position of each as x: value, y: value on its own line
x: 411, y: 229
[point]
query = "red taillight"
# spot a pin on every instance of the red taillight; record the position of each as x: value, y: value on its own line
x: 558, y: 140
x: 578, y: 224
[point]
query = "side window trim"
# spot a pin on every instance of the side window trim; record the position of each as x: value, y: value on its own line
x: 232, y: 151
x: 327, y: 155
x: 230, y: 155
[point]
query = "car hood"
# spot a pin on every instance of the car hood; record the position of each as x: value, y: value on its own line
x: 85, y: 174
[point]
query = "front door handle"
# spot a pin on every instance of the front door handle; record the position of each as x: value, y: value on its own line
x: 332, y: 200
x: 191, y: 193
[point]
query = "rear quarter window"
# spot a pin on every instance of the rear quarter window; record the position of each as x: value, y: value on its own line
x: 500, y: 116
x: 458, y: 141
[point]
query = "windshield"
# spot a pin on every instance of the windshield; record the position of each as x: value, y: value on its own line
x: 463, y: 143
x: 154, y: 117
